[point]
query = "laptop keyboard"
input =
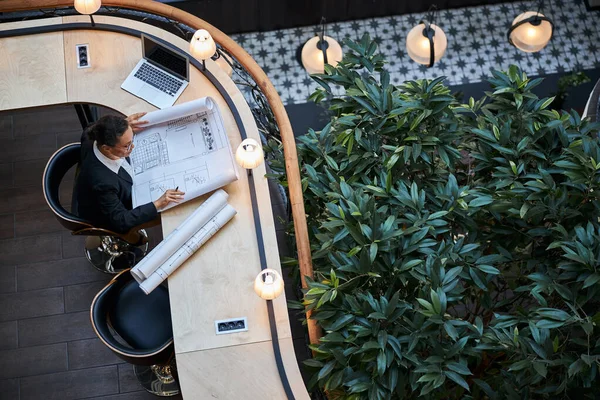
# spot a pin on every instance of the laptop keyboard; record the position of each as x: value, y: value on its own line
x: 155, y: 77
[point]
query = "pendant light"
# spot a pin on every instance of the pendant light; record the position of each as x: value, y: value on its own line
x: 268, y: 284
x: 426, y: 43
x: 87, y: 7
x: 531, y: 31
x: 202, y: 46
x: 320, y: 50
x: 249, y: 154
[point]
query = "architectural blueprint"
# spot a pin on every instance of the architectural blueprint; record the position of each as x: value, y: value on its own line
x: 183, y: 146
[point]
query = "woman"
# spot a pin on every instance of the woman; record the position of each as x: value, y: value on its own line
x: 103, y: 186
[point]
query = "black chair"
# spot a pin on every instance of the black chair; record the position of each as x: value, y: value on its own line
x: 106, y: 250
x: 137, y: 328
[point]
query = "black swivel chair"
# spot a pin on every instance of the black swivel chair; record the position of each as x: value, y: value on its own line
x: 137, y: 328
x: 108, y: 251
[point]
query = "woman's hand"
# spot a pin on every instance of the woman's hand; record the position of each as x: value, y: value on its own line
x: 170, y: 196
x: 135, y: 123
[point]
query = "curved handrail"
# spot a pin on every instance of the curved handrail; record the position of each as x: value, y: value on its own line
x: 264, y: 84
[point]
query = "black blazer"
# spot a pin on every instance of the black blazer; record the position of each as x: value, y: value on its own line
x: 103, y: 197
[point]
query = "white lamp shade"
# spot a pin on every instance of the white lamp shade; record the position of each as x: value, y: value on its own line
x: 528, y: 37
x: 249, y: 154
x: 202, y: 45
x: 268, y: 284
x: 418, y: 47
x: 312, y: 56
x: 223, y: 64
x: 87, y: 6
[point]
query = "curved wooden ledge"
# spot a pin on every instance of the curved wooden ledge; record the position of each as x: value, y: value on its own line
x: 265, y: 85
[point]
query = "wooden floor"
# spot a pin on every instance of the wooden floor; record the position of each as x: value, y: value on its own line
x: 48, y: 350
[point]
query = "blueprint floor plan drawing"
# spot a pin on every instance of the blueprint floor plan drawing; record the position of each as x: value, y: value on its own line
x: 184, y: 146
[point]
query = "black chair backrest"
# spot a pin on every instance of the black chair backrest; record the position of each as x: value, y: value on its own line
x: 103, y: 314
x: 59, y: 164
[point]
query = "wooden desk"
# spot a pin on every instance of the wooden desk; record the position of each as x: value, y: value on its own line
x: 215, y: 283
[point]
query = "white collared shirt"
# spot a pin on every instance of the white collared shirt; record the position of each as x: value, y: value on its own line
x: 113, y: 165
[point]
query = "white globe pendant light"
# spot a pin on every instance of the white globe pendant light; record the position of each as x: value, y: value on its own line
x: 426, y: 43
x: 320, y: 50
x: 87, y: 7
x: 202, y: 46
x: 530, y: 31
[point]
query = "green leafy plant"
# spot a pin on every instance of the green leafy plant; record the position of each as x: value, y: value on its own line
x: 456, y: 246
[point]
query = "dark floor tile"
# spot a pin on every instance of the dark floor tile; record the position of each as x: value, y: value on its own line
x: 154, y: 236
x: 8, y: 335
x: 79, y: 297
x: 6, y: 120
x: 8, y: 281
x: 55, y: 328
x: 64, y: 138
x: 72, y: 245
x: 127, y: 380
x: 90, y: 353
x: 56, y: 273
x: 29, y: 148
x: 141, y: 395
x: 34, y: 303
x: 6, y: 175
x: 7, y: 226
x: 9, y: 389
x: 31, y: 223
x: 45, y: 120
x: 71, y: 385
x: 30, y: 249
x: 35, y: 360
x: 22, y: 199
x: 29, y: 173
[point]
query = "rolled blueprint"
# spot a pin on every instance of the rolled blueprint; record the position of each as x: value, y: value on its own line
x: 180, y: 235
x: 188, y: 248
x: 178, y: 111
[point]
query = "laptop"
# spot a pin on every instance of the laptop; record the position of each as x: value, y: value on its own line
x: 160, y: 76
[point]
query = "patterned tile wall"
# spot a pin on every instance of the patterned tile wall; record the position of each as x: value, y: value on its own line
x: 476, y: 43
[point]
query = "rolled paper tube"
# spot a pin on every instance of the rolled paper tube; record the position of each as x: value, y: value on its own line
x: 180, y: 235
x: 151, y: 283
x: 181, y: 110
x: 189, y: 248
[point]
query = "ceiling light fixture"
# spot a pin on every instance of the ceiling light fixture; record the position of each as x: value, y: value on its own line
x: 531, y: 31
x: 319, y: 51
x: 426, y: 43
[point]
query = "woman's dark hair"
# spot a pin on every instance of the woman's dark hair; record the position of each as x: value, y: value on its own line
x: 107, y: 130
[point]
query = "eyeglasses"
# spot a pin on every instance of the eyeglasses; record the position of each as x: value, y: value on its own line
x: 129, y: 146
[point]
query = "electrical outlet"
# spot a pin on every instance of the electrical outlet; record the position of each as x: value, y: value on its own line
x: 83, y: 56
x: 233, y: 325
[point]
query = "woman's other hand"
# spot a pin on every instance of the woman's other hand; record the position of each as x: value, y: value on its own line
x: 134, y: 122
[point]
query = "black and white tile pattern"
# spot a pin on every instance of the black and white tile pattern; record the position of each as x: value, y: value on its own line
x: 476, y: 43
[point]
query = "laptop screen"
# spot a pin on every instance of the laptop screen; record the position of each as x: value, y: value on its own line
x: 165, y: 58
